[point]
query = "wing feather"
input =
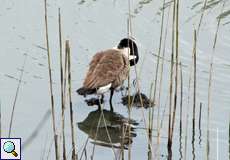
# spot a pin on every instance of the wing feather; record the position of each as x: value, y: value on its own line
x: 104, y: 69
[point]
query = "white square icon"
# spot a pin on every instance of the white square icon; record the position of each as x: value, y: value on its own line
x: 10, y: 149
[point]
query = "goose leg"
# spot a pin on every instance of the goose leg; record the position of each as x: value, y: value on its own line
x: 99, y: 107
x: 110, y: 99
x: 102, y: 98
x: 100, y: 101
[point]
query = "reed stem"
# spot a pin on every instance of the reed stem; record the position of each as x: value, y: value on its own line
x: 171, y: 80
x: 74, y: 151
x: 51, y: 86
x: 161, y: 80
x: 194, y: 93
x: 201, y: 17
x: 16, y: 96
x: 210, y: 83
x: 129, y: 29
x: 62, y: 87
x: 181, y: 109
x: 200, y: 115
x: 177, y: 67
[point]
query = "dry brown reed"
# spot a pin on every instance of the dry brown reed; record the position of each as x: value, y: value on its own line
x: 107, y: 132
x: 194, y: 81
x: 16, y: 96
x: 151, y: 110
x: 192, y: 68
x: 194, y: 93
x: 63, y: 97
x: 122, y: 142
x: 174, y: 54
x: 181, y: 110
x: 159, y: 123
x: 200, y: 115
x: 171, y: 79
x: 210, y: 83
x: 157, y: 66
x: 51, y: 86
x: 201, y: 17
x: 177, y: 66
x: 129, y: 29
x: 84, y: 148
x: 130, y: 103
x: 68, y: 53
x: 155, y: 82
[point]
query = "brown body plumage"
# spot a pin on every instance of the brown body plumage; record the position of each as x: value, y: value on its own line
x: 109, y: 66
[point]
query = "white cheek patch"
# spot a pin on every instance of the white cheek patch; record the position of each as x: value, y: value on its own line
x: 104, y: 89
x: 131, y: 57
x: 126, y: 52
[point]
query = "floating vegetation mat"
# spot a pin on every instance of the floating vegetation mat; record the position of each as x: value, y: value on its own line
x: 137, y: 99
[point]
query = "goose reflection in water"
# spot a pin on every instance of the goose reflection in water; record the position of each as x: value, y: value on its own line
x: 100, y: 122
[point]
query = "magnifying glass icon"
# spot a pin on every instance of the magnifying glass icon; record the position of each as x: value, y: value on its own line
x: 9, y: 147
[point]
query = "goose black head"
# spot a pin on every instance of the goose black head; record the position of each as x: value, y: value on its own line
x: 129, y: 43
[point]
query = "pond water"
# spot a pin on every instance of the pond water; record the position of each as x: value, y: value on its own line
x: 92, y: 26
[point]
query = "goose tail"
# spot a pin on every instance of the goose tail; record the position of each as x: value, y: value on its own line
x: 85, y: 91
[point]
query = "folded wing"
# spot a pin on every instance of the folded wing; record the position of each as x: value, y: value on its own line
x: 104, y: 69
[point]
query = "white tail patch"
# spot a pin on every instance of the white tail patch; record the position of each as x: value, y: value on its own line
x: 104, y: 89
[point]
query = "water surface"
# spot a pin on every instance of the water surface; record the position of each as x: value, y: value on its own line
x: 92, y: 26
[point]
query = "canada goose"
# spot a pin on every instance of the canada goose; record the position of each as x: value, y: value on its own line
x: 108, y: 69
